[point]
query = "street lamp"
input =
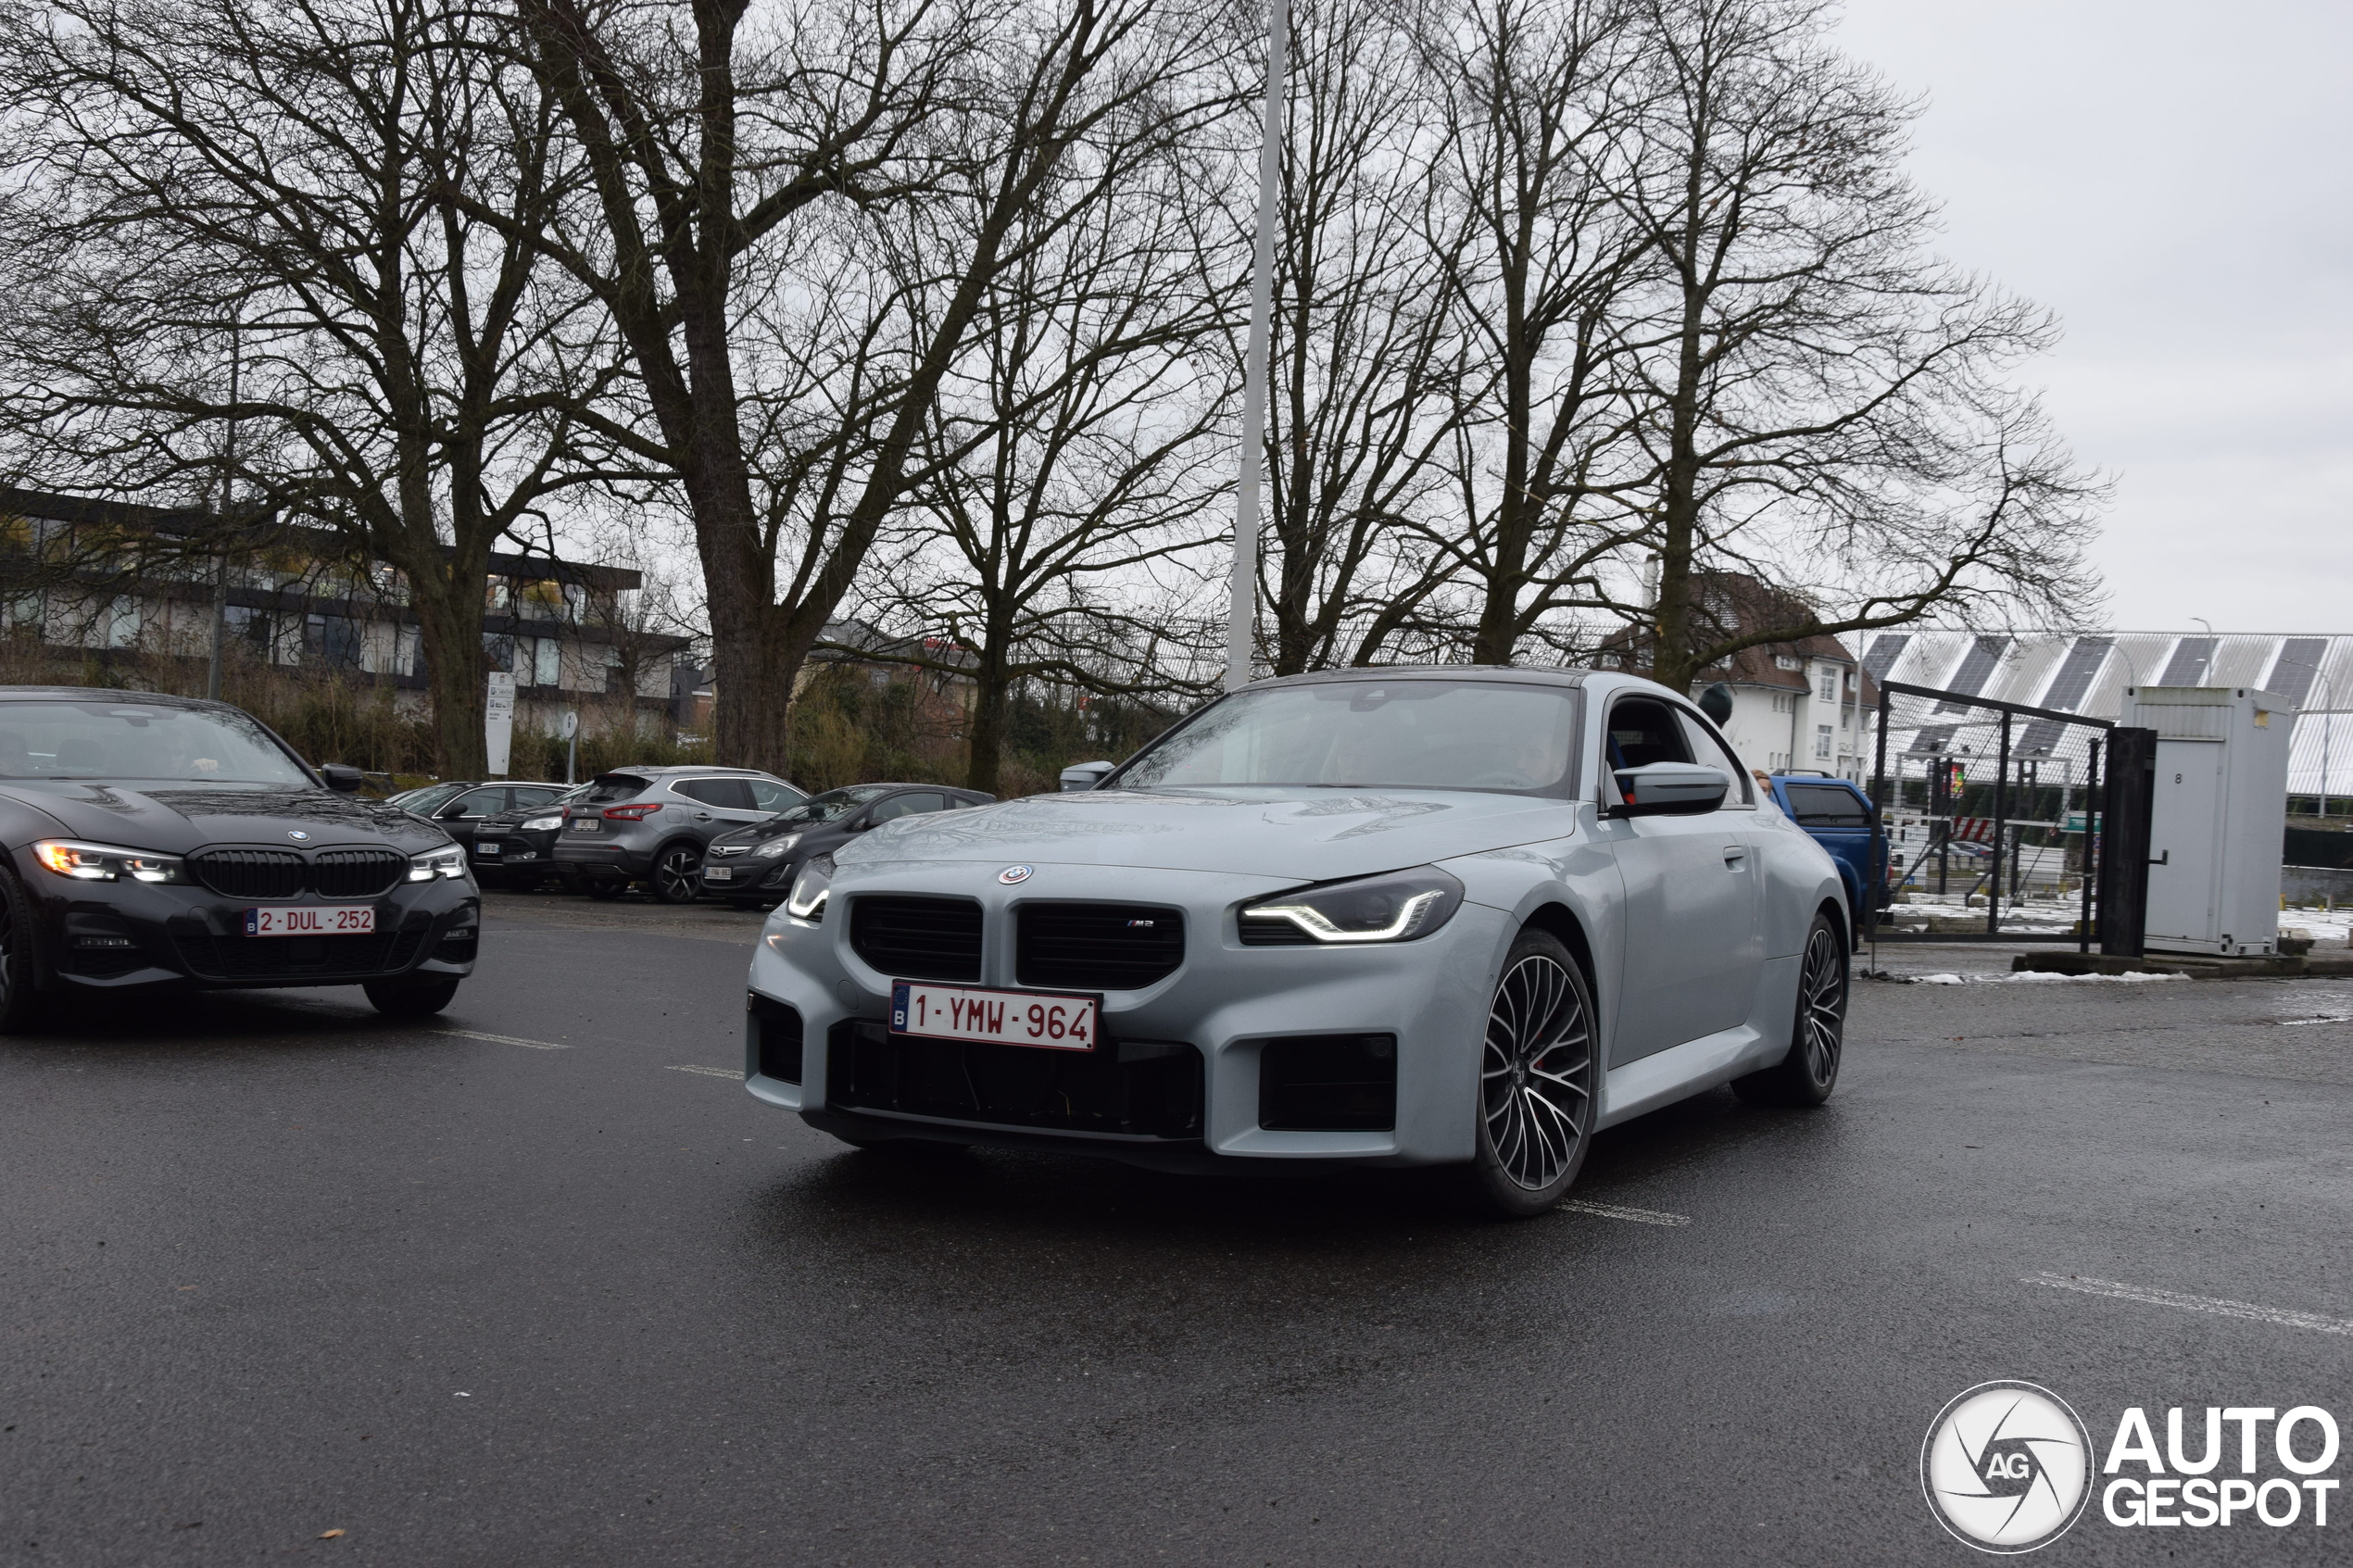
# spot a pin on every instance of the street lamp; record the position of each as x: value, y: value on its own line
x: 1241, y: 615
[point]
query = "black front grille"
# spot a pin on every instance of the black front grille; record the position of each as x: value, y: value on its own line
x: 251, y: 873
x: 1328, y: 1083
x: 1158, y: 1097
x: 917, y: 938
x: 775, y: 1027
x: 297, y: 958
x: 1097, y: 947
x: 356, y: 874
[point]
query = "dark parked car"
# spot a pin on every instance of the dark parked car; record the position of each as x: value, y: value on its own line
x: 1839, y: 817
x: 460, y: 815
x: 161, y: 842
x: 755, y: 865
x: 517, y: 849
x: 649, y: 824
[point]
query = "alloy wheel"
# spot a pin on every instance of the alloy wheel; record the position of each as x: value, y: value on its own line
x: 1536, y: 1072
x: 676, y: 876
x: 1822, y: 993
x: 7, y: 952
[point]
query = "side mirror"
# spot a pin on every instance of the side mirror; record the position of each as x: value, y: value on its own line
x: 1086, y: 775
x: 1670, y: 789
x: 342, y: 777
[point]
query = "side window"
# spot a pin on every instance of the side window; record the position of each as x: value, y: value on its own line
x: 480, y: 803
x: 728, y: 794
x: 526, y: 798
x: 1712, y: 749
x: 910, y: 805
x: 767, y: 795
x: 1826, y: 805
x: 1642, y: 732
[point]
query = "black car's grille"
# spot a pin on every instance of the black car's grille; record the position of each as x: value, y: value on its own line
x: 1097, y: 947
x: 251, y: 873
x: 917, y: 938
x: 356, y: 874
x: 297, y: 958
x: 1159, y: 1096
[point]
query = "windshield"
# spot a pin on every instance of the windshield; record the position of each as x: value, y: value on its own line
x: 825, y: 807
x: 124, y: 740
x: 1373, y: 734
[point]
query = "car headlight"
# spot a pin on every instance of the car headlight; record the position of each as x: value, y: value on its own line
x: 1395, y: 907
x: 450, y: 862
x: 806, y: 900
x: 542, y: 825
x: 775, y: 847
x: 107, y: 863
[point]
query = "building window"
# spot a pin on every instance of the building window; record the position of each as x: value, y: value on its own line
x: 1821, y: 740
x: 547, y: 662
x: 498, y: 650
x: 1828, y: 686
x: 1784, y: 703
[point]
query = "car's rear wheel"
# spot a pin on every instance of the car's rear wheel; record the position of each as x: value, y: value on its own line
x: 678, y: 874
x: 1537, y: 1075
x: 23, y: 1008
x: 420, y: 998
x: 605, y: 888
x: 1817, y: 1033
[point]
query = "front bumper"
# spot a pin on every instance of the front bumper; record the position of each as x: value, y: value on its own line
x: 1230, y: 1007
x: 135, y: 937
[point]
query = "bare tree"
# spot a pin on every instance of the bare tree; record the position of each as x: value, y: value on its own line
x: 330, y: 192
x: 1826, y: 401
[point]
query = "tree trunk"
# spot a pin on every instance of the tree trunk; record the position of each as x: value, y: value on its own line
x: 449, y: 628
x: 992, y: 692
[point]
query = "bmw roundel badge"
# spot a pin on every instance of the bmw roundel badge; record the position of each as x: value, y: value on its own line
x: 299, y: 836
x: 1011, y: 874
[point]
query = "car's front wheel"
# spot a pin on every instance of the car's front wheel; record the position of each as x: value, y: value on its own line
x: 1538, y: 1078
x: 677, y: 875
x: 420, y: 998
x: 1817, y: 1034
x: 23, y: 1008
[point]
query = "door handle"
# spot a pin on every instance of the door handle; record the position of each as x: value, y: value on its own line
x: 1734, y: 853
x: 702, y: 816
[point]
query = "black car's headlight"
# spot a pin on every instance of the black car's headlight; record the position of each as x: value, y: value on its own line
x: 1395, y: 907
x: 542, y: 825
x: 107, y: 863
x: 776, y: 847
x: 806, y: 900
x: 450, y: 862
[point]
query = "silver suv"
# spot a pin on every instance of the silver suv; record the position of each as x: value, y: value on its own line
x: 649, y: 826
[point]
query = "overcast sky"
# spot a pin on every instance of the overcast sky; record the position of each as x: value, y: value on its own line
x: 2176, y: 182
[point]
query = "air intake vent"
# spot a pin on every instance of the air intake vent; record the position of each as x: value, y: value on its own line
x: 356, y: 873
x: 917, y: 938
x: 251, y: 873
x: 1328, y: 1083
x: 1097, y: 947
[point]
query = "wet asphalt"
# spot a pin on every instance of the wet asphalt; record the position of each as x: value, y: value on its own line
x: 539, y: 1283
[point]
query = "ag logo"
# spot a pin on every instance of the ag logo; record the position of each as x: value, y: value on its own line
x: 2007, y: 1467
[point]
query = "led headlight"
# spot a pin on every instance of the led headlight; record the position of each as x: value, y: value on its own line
x: 106, y: 862
x: 449, y: 861
x: 542, y: 825
x: 806, y: 900
x: 1395, y: 907
x: 775, y: 847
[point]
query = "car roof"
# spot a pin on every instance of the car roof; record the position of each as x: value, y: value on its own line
x: 1516, y: 672
x: 107, y: 693
x: 667, y: 769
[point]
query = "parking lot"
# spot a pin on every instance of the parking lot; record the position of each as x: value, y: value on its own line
x: 537, y: 1283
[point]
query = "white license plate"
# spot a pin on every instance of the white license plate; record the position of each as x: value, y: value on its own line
x: 311, y: 920
x: 584, y: 824
x: 482, y: 848
x: 1000, y: 1018
x: 719, y: 874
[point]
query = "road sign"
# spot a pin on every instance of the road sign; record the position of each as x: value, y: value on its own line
x: 499, y: 723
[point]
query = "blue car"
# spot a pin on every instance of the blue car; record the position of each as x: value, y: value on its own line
x: 1839, y: 817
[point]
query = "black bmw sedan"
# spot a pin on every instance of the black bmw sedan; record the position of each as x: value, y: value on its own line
x: 755, y: 865
x: 161, y: 842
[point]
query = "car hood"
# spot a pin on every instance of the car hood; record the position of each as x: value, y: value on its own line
x: 175, y: 819
x: 1309, y: 835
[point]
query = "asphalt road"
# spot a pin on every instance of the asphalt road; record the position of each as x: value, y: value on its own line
x: 541, y: 1284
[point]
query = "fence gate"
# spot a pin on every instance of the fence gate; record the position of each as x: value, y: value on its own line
x: 1962, y: 785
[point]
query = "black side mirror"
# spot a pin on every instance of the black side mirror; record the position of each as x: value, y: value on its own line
x: 342, y: 777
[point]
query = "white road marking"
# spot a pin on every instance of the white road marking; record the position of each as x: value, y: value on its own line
x: 712, y: 1072
x: 1639, y: 1216
x: 2153, y: 1297
x: 504, y: 1039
